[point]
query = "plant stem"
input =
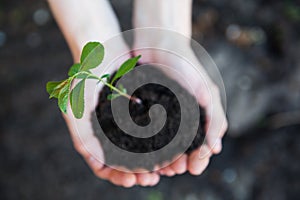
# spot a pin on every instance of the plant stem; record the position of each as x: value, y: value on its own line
x: 135, y: 99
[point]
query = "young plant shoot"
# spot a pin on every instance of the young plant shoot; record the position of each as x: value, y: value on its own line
x: 91, y: 57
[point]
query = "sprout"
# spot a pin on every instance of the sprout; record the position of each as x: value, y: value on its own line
x: 91, y: 57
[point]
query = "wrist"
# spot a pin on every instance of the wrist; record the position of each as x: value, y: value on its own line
x: 167, y: 14
x: 154, y: 38
x: 77, y: 44
x: 82, y: 22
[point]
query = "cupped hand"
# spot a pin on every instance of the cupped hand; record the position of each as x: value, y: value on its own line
x: 89, y: 146
x: 205, y: 91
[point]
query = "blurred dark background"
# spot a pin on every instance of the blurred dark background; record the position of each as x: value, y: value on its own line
x: 255, y: 44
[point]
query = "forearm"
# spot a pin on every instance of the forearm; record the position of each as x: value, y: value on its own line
x: 83, y: 21
x: 169, y: 14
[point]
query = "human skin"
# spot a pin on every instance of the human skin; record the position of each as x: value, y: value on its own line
x: 82, y: 22
x: 177, y: 16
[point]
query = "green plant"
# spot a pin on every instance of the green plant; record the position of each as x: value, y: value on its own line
x: 91, y: 57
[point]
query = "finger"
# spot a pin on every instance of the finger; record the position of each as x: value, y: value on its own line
x: 94, y: 164
x: 216, y: 125
x: 147, y: 179
x: 156, y: 168
x: 167, y: 171
x: 162, y: 168
x: 85, y: 142
x: 143, y: 179
x: 180, y: 165
x: 104, y: 173
x: 198, y: 160
x: 122, y: 178
x: 155, y: 179
x: 161, y: 172
x: 81, y: 130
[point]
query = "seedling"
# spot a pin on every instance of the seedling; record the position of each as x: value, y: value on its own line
x: 91, y: 57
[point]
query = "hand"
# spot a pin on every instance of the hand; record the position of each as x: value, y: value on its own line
x: 81, y: 22
x: 89, y: 146
x: 215, y: 127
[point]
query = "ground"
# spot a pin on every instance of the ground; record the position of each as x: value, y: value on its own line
x: 254, y: 43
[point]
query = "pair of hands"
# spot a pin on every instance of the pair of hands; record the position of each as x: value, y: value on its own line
x: 89, y: 147
x: 82, y: 22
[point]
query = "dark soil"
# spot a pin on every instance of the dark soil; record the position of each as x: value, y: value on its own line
x: 150, y: 94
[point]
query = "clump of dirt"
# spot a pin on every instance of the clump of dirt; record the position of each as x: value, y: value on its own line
x: 150, y: 94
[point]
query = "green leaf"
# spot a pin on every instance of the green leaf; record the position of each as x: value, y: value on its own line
x: 112, y: 96
x: 74, y: 69
x: 126, y: 67
x: 63, y: 97
x: 51, y: 85
x: 77, y: 99
x: 56, y: 90
x: 107, y: 76
x: 91, y: 56
x: 85, y: 76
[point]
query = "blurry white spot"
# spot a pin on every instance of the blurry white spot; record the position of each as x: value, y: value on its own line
x: 33, y: 39
x: 2, y: 38
x: 41, y: 16
x: 229, y: 175
x: 233, y: 32
x: 257, y: 35
x: 244, y: 83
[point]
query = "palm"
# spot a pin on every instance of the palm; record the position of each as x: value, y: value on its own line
x: 198, y: 160
x: 88, y: 145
